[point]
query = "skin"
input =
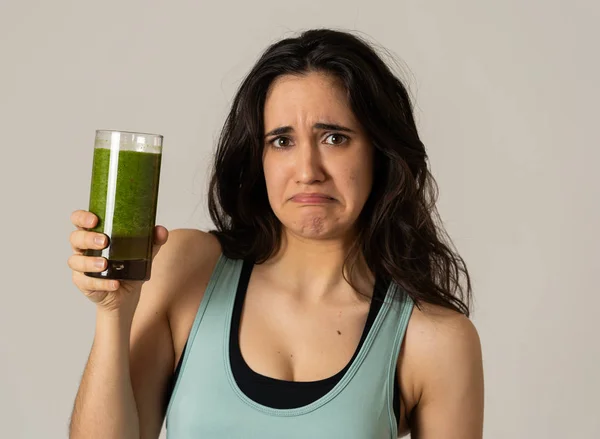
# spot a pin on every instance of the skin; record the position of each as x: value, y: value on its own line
x: 141, y: 324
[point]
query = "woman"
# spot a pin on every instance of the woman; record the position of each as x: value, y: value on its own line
x: 295, y: 318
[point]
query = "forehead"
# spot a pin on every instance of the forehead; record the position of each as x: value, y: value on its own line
x: 307, y: 97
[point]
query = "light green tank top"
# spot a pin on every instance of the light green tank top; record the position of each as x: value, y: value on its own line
x: 206, y: 402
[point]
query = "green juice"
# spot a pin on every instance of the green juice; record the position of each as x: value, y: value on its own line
x: 124, y: 193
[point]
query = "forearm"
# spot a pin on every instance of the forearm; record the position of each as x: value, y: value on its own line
x: 105, y: 406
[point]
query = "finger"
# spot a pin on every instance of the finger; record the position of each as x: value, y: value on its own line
x: 84, y: 240
x: 91, y: 284
x: 84, y: 219
x: 86, y: 263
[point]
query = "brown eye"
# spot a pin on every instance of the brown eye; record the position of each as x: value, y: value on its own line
x: 337, y: 139
x: 280, y: 142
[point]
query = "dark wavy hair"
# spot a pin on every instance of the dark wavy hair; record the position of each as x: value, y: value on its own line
x: 400, y: 234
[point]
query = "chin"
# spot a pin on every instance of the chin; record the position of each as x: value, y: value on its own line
x: 316, y: 227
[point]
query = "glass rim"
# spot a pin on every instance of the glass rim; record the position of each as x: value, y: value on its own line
x: 129, y: 132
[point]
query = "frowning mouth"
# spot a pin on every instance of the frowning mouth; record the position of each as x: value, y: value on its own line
x: 312, y: 198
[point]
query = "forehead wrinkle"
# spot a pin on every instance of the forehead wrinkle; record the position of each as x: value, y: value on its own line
x: 285, y: 97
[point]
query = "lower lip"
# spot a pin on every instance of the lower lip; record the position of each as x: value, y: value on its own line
x: 312, y: 200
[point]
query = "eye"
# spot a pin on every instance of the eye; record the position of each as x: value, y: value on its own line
x: 280, y: 142
x: 337, y: 139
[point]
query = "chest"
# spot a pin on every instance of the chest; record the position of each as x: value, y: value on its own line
x: 283, y: 337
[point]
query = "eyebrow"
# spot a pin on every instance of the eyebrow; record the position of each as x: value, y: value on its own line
x: 318, y: 126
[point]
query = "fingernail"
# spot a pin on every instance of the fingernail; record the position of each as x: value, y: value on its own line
x: 99, y: 240
x: 99, y: 263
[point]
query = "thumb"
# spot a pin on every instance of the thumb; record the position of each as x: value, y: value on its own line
x: 161, y: 234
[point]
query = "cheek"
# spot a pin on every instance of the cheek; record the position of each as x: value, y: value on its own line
x: 360, y: 180
x: 274, y: 177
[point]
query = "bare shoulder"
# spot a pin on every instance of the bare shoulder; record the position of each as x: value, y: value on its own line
x: 441, y: 366
x: 183, y: 268
x: 438, y: 336
x: 187, y: 257
x: 439, y: 332
x: 186, y: 248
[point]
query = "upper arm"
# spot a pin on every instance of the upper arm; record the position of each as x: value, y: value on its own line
x: 151, y: 343
x: 445, y: 362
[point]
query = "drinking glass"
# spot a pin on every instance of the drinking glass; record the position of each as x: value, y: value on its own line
x: 124, y: 195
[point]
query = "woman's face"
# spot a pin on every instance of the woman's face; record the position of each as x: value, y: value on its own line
x: 318, y: 162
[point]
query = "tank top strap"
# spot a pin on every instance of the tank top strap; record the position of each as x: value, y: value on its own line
x: 374, y: 379
x: 395, y: 328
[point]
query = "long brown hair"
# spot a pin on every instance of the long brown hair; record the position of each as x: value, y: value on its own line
x: 401, y: 237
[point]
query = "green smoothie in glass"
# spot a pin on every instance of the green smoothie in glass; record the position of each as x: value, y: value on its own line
x: 124, y: 193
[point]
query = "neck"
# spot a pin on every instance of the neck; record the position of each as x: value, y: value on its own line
x: 315, y: 268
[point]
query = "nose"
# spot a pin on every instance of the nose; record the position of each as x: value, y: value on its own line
x: 309, y: 165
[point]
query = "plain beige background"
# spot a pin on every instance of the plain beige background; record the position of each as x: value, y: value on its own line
x: 507, y: 102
